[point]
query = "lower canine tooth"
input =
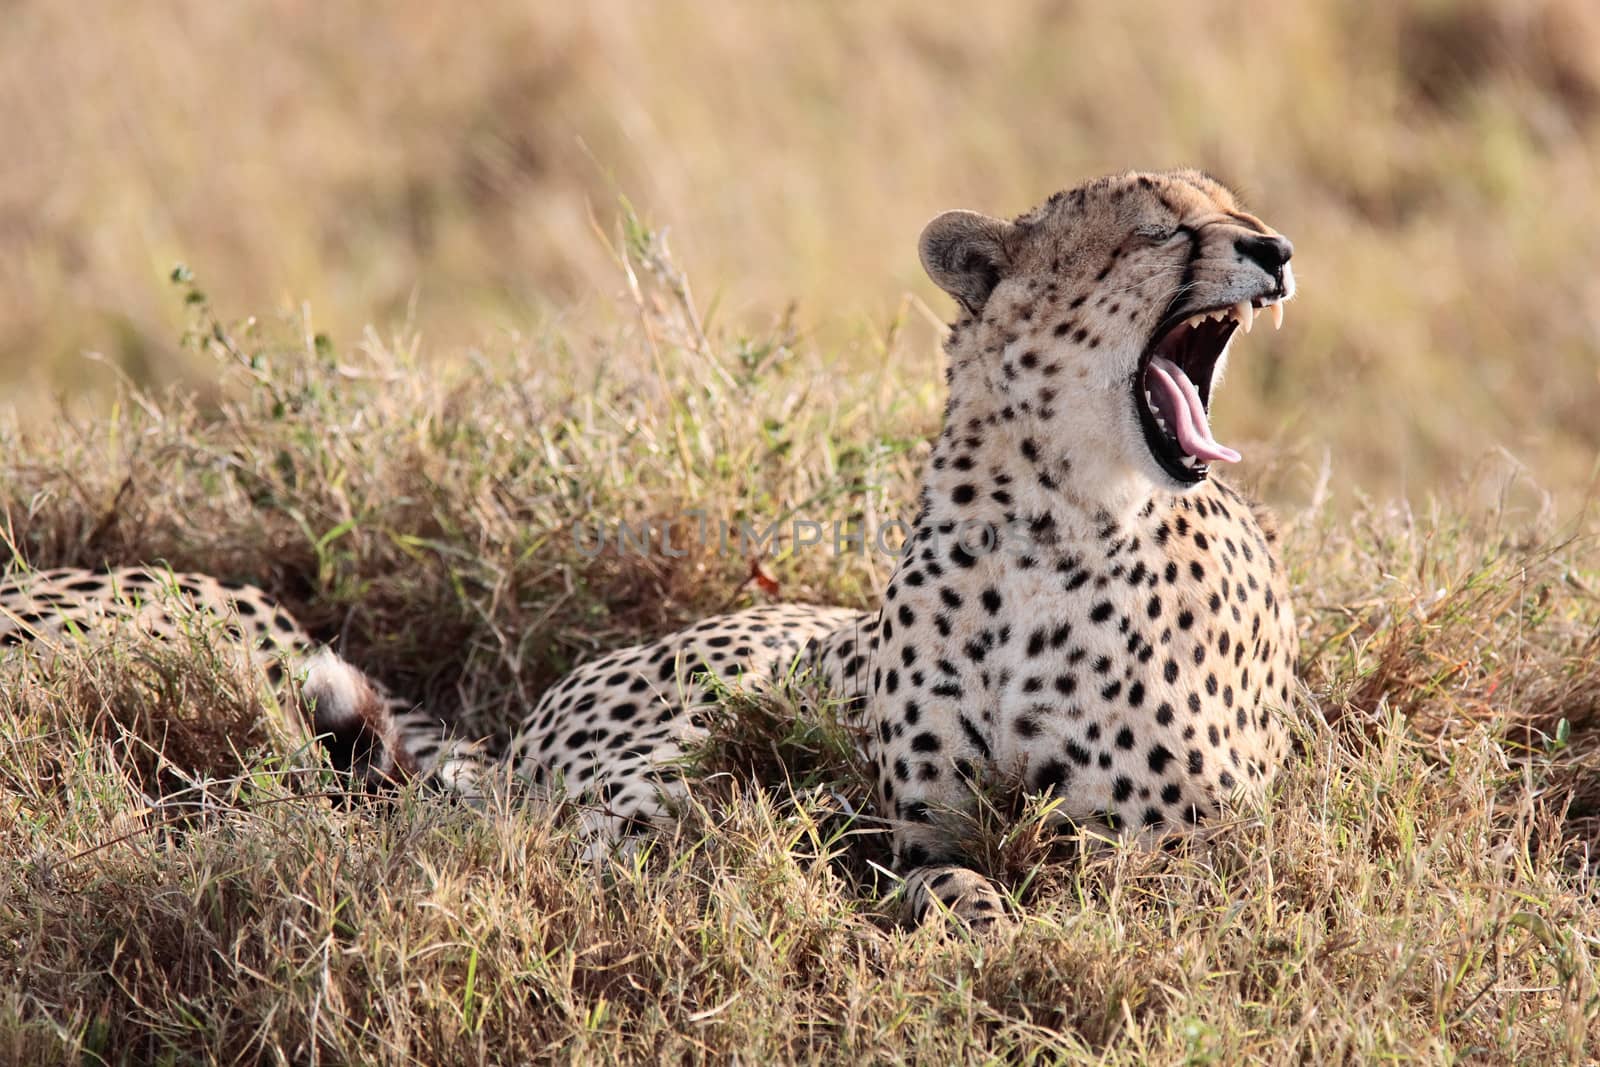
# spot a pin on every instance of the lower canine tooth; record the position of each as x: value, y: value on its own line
x: 1277, y: 315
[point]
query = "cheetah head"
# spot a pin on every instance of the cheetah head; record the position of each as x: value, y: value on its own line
x: 1100, y: 321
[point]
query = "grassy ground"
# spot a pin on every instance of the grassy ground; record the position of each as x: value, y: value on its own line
x: 173, y: 890
x: 1416, y: 887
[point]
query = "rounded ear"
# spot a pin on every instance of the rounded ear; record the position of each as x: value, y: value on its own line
x: 965, y: 255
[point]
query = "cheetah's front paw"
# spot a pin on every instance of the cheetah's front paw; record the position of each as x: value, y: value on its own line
x: 954, y: 892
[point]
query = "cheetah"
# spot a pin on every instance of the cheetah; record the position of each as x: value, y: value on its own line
x: 378, y: 738
x: 1080, y: 607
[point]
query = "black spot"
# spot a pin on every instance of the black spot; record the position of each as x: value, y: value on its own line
x: 1052, y: 776
x: 974, y: 737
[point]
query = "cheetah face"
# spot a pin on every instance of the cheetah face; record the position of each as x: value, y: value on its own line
x: 1172, y: 382
x: 1104, y: 316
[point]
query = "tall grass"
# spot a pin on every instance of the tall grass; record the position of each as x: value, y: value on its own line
x: 1419, y: 885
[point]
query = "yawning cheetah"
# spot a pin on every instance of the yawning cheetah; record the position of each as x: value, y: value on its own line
x: 1080, y: 607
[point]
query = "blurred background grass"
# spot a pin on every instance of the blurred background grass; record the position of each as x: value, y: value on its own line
x: 445, y: 167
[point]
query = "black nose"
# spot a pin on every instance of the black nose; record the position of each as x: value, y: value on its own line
x: 1270, y: 253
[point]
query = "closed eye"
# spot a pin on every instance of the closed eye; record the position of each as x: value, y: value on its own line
x: 1160, y: 235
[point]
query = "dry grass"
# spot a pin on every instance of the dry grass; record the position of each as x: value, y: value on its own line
x: 1434, y: 161
x: 1417, y: 887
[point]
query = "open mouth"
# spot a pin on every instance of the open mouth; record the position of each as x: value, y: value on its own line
x: 1172, y: 385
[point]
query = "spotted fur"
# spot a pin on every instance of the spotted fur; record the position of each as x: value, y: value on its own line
x: 614, y: 728
x: 366, y: 730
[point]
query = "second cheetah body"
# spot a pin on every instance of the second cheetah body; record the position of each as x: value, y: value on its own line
x: 368, y: 730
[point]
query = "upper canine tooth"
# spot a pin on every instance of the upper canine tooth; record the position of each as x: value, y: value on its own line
x: 1245, y: 314
x: 1277, y: 315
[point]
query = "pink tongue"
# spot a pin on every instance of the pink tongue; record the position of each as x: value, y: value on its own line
x: 1184, y: 411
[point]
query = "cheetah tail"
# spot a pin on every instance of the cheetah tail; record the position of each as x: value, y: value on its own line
x: 352, y: 720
